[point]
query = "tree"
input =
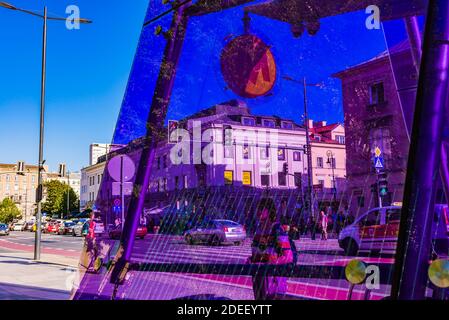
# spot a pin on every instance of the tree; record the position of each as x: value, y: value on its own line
x: 9, y: 211
x: 56, y: 199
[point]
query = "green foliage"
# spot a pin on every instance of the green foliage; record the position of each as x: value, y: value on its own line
x: 8, y: 211
x: 56, y: 200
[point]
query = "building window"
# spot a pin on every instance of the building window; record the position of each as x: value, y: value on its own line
x: 246, y: 178
x: 268, y: 123
x: 321, y: 183
x: 228, y: 177
x: 228, y: 151
x: 286, y: 125
x: 296, y: 156
x: 376, y: 93
x: 246, y: 151
x: 340, y: 139
x: 319, y: 162
x: 249, y: 121
x: 265, y: 180
x: 164, y: 162
x: 264, y: 152
x: 281, y: 154
x: 381, y: 138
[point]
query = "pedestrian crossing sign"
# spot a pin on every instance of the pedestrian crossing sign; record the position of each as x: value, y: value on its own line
x: 378, y: 163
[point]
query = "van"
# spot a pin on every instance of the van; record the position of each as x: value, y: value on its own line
x: 377, y: 231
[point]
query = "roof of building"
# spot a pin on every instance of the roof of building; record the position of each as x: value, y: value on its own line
x: 324, y: 129
x: 232, y: 112
x: 401, y: 47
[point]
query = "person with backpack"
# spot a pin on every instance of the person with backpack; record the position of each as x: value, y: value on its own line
x: 271, y: 245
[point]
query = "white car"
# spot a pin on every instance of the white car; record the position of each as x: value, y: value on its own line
x: 19, y: 227
x: 377, y: 230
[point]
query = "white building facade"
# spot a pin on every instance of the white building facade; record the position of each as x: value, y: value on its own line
x: 231, y: 146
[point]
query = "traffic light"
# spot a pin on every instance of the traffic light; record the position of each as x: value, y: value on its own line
x: 285, y: 168
x: 61, y: 170
x: 383, y: 183
x: 39, y: 193
x: 21, y: 167
x: 374, y: 188
x: 306, y: 149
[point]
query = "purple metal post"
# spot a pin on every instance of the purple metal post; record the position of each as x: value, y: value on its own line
x: 410, y: 274
x: 155, y: 125
x: 414, y: 35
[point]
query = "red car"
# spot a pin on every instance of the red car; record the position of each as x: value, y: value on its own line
x: 117, y: 231
x: 52, y: 228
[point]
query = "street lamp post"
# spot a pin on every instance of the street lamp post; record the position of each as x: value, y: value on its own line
x: 308, y: 146
x: 68, y: 194
x: 331, y: 163
x: 45, y: 17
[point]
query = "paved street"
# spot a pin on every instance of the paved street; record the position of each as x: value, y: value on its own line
x: 67, y: 246
x: 173, y: 250
x: 64, y: 252
x: 24, y: 279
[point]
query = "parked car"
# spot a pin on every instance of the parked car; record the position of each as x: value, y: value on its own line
x: 377, y: 230
x: 4, y: 229
x: 18, y: 226
x: 116, y: 232
x: 77, y: 230
x: 82, y: 228
x: 66, y: 227
x: 29, y: 226
x: 216, y: 232
x: 52, y: 227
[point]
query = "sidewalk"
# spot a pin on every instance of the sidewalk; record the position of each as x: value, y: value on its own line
x: 21, y: 278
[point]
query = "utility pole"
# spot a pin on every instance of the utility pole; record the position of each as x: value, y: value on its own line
x: 37, y: 243
x: 68, y: 194
x: 122, y: 193
x: 309, y: 152
x: 331, y: 162
x: 307, y: 147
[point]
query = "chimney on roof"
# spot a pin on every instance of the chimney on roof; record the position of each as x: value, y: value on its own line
x: 319, y: 124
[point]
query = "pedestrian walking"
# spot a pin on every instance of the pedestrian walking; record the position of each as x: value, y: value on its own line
x: 91, y: 260
x: 271, y: 245
x: 324, y: 220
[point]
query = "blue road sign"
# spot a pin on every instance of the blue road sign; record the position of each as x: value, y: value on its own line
x: 378, y: 163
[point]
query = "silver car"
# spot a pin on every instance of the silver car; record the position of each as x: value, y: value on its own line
x: 216, y: 232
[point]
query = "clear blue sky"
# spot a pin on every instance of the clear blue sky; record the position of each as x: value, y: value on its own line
x: 88, y: 71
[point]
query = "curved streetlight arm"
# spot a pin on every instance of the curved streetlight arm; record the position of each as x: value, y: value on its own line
x: 12, y: 7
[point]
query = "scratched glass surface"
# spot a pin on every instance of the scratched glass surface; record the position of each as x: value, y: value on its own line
x: 220, y: 94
